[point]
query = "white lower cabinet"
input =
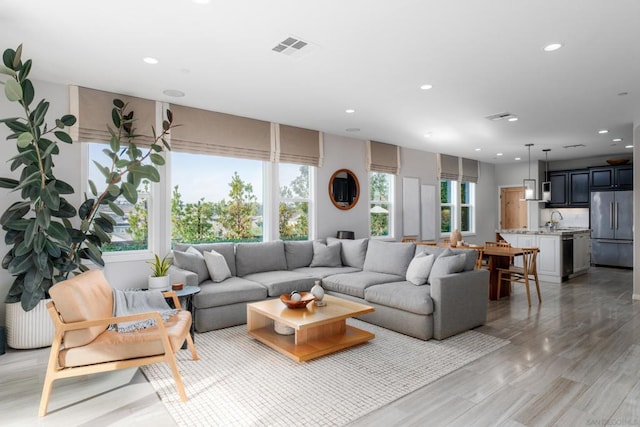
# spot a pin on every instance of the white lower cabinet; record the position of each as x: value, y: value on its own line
x: 549, y: 258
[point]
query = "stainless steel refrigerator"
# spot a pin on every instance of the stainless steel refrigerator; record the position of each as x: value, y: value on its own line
x: 612, y: 228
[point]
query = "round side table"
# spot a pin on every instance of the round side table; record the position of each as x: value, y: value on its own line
x: 185, y: 295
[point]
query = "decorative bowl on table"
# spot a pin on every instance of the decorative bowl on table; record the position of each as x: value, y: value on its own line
x: 305, y: 298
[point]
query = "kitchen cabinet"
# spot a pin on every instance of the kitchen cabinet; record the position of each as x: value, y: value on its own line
x: 581, y: 252
x: 549, y: 261
x: 611, y: 178
x: 569, y: 189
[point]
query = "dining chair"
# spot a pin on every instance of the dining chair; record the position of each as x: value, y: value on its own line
x: 500, y: 244
x: 481, y: 263
x: 409, y: 239
x: 528, y: 271
x: 427, y: 243
x: 81, y: 309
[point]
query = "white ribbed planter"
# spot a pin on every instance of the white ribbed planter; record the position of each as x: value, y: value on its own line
x: 29, y: 329
x: 160, y: 283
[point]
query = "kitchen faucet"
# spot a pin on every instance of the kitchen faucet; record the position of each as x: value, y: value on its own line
x: 555, y: 224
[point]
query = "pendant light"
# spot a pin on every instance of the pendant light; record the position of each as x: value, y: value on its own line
x: 529, y: 184
x: 546, y: 185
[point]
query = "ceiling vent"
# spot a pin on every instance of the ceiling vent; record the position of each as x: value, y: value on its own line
x: 499, y: 116
x: 573, y: 146
x: 292, y: 46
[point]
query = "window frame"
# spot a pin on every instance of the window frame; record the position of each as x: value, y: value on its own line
x: 456, y: 206
x: 275, y: 179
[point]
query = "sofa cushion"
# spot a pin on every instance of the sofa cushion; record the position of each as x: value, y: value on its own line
x: 326, y: 255
x: 401, y: 295
x: 447, y: 263
x: 231, y: 291
x: 419, y: 268
x: 258, y: 257
x: 355, y: 283
x: 470, y: 254
x: 388, y: 257
x: 217, y: 266
x: 192, y: 261
x: 298, y: 253
x: 429, y: 250
x: 282, y: 282
x: 352, y: 252
x: 225, y: 249
x: 322, y: 272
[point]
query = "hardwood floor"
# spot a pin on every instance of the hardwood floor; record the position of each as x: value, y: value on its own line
x: 573, y: 361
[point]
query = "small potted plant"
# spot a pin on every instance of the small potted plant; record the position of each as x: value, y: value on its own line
x: 159, y: 279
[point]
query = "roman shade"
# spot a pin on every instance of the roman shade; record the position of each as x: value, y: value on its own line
x: 93, y: 107
x: 298, y: 145
x: 383, y: 158
x: 219, y: 134
x: 457, y: 168
x: 469, y: 170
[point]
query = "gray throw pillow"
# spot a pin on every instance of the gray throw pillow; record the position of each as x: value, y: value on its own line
x: 388, y: 257
x: 353, y: 252
x: 325, y: 255
x: 447, y: 264
x: 192, y: 262
x: 217, y: 266
x: 419, y: 268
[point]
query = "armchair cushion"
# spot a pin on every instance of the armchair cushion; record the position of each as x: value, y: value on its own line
x: 87, y: 296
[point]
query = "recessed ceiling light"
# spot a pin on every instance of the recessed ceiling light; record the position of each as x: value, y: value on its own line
x: 426, y: 87
x: 150, y: 60
x: 478, y: 149
x: 512, y: 119
x: 349, y: 111
x: 628, y: 146
x: 551, y: 47
x: 617, y: 139
x: 517, y: 158
x: 352, y: 129
x: 602, y: 131
x: 174, y: 93
x: 499, y: 154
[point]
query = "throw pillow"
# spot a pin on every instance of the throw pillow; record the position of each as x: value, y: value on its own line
x: 325, y: 255
x: 217, y: 266
x: 190, y: 261
x: 444, y: 265
x: 353, y: 251
x: 419, y: 268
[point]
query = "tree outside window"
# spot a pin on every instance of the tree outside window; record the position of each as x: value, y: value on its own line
x: 293, y: 209
x: 380, y: 205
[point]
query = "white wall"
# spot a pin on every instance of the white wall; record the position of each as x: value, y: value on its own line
x: 342, y: 153
x: 636, y: 210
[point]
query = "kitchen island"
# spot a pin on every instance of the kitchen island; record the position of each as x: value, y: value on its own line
x: 564, y: 252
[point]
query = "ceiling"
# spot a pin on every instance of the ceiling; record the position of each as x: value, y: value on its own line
x: 372, y: 56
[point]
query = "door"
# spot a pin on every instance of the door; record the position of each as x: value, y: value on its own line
x: 602, y: 207
x: 624, y: 215
x: 513, y: 208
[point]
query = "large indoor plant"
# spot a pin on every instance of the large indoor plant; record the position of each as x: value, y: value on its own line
x: 48, y: 238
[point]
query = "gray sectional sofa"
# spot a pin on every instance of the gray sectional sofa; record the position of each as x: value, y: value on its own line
x: 377, y: 273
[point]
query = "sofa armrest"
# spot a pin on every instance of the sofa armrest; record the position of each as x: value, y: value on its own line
x: 459, y: 302
x: 180, y: 275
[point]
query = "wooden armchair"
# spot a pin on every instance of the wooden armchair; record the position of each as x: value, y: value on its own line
x: 81, y: 310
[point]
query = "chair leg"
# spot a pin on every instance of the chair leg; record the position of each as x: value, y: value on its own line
x: 499, y: 283
x: 49, y: 378
x: 526, y: 284
x: 538, y: 289
x: 192, y: 347
x: 171, y: 360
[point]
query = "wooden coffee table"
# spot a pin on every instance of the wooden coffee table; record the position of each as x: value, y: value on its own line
x: 318, y: 331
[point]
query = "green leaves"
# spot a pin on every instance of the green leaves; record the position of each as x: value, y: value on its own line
x: 13, y: 90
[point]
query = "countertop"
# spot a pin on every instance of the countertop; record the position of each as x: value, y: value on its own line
x: 562, y: 231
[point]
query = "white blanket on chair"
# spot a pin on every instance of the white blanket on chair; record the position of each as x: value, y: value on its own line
x: 134, y: 302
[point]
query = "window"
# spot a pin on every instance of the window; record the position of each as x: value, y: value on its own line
x: 295, y: 200
x: 132, y: 229
x: 215, y: 198
x: 457, y: 206
x: 380, y: 205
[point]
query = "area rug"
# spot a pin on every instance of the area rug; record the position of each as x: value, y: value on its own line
x: 241, y: 382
